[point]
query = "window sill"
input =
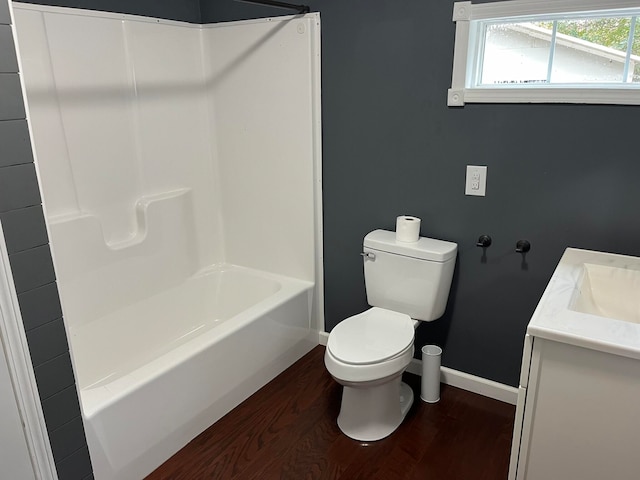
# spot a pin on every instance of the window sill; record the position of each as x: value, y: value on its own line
x: 629, y: 95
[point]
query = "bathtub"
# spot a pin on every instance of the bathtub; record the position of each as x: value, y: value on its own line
x: 156, y: 373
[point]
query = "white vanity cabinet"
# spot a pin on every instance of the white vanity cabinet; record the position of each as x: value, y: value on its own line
x: 578, y: 415
x: 578, y: 410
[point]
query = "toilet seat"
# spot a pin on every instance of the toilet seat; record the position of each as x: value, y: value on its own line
x: 371, y: 337
x: 363, y: 375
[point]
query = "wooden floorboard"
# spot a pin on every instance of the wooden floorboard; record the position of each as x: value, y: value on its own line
x: 288, y: 430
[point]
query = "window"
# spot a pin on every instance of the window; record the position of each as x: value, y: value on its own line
x: 572, y: 51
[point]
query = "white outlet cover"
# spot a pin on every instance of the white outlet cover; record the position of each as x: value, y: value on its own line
x: 476, y: 181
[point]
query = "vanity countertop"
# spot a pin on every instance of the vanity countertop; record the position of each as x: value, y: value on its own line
x: 557, y: 317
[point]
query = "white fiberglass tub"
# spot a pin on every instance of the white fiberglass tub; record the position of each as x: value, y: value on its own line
x: 156, y: 373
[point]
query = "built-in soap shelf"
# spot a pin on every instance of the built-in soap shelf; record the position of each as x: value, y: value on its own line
x: 147, y: 206
x: 100, y: 276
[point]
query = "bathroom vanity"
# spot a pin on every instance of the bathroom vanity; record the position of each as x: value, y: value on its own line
x: 578, y: 410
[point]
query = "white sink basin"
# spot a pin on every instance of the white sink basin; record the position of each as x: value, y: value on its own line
x: 592, y: 301
x: 609, y: 292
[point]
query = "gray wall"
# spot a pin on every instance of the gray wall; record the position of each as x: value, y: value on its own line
x: 228, y: 10
x: 558, y: 175
x: 183, y: 10
x: 34, y: 278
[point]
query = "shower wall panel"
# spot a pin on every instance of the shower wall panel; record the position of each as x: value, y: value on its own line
x: 165, y: 147
x: 124, y: 152
x: 260, y: 79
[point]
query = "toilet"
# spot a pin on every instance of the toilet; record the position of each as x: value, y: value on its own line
x: 368, y: 352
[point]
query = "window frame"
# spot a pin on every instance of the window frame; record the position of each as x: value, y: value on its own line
x: 468, y: 42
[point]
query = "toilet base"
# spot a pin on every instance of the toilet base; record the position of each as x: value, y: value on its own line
x: 406, y: 399
x: 372, y: 413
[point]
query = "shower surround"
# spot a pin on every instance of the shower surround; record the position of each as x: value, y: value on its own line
x: 180, y: 171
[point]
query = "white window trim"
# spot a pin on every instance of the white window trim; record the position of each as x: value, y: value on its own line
x: 460, y: 91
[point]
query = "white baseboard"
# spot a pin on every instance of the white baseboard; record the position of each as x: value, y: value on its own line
x: 455, y: 378
x: 471, y: 383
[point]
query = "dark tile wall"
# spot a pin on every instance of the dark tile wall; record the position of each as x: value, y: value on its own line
x: 34, y: 277
x: 4, y: 14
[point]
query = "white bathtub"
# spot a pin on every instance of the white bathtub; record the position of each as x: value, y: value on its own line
x: 176, y: 362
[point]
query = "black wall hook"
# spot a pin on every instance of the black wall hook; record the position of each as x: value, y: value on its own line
x: 484, y: 241
x: 523, y: 246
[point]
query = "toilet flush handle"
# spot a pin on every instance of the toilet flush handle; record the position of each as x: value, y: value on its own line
x: 369, y: 255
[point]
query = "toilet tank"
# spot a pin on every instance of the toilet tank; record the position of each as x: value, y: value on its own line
x: 411, y: 278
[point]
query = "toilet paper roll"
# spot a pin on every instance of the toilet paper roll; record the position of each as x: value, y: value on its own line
x: 407, y: 229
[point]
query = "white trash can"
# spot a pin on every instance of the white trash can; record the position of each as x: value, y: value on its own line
x: 430, y: 391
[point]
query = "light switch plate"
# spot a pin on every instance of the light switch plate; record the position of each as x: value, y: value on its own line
x: 476, y: 181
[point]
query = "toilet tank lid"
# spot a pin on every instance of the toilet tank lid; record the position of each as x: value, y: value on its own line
x: 424, y: 248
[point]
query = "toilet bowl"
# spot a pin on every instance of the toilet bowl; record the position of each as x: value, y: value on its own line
x: 368, y: 352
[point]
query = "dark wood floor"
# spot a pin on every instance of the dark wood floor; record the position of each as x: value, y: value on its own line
x: 288, y: 430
